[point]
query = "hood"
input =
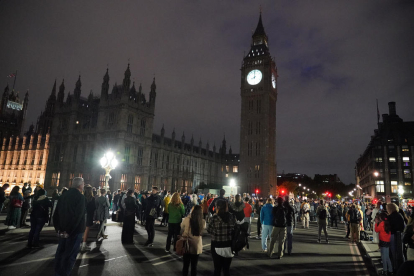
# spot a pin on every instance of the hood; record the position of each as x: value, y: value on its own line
x: 238, y: 206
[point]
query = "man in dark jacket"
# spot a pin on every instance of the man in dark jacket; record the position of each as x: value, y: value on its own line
x: 38, y: 217
x: 258, y: 207
x: 69, y: 222
x: 334, y: 216
x: 213, y: 203
x: 290, y: 221
x: 279, y: 228
x: 116, y: 199
x: 153, y: 203
x: 3, y: 195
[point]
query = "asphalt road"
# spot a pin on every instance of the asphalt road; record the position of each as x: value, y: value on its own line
x: 113, y: 258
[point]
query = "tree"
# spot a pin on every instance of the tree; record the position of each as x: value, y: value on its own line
x: 288, y: 187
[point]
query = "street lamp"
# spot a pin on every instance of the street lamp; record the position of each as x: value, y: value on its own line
x: 108, y: 163
x: 376, y: 174
x: 400, y: 190
x: 300, y: 184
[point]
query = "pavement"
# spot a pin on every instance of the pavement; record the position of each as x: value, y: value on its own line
x: 370, y: 249
x: 113, y: 258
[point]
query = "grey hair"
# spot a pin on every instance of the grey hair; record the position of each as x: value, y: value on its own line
x: 77, y: 182
x: 194, y: 199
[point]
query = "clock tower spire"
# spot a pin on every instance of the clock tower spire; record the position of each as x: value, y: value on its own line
x: 258, y: 117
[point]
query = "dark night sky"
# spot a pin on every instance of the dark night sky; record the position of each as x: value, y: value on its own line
x: 334, y: 59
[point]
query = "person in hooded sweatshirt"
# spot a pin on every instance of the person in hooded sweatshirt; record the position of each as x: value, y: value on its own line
x: 266, y: 219
x: 38, y: 218
x: 221, y: 228
x: 237, y: 208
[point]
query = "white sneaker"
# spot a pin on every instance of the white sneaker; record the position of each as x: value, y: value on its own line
x: 11, y: 227
x: 86, y: 248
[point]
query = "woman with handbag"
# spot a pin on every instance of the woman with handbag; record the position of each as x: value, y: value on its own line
x: 192, y: 227
x: 15, y: 204
x: 221, y: 228
x: 176, y: 211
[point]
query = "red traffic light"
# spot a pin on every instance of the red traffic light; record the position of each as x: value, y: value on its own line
x: 283, y: 192
x: 257, y: 191
x: 374, y: 201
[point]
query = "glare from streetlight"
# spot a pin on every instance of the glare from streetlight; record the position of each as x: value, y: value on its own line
x: 232, y: 182
x: 376, y: 174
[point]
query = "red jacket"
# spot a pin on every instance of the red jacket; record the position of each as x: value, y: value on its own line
x: 383, y: 236
x: 248, y: 210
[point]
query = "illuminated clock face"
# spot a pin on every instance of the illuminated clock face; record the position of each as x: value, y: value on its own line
x: 254, y: 77
x: 273, y: 81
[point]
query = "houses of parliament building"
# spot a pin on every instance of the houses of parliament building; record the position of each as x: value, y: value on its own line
x: 74, y: 132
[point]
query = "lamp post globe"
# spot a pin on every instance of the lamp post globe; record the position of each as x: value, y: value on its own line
x: 108, y: 162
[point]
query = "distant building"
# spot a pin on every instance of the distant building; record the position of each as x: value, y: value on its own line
x: 386, y: 164
x: 12, y: 113
x: 292, y: 177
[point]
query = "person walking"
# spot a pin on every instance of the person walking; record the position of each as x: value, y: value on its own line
x: 38, y: 218
x: 27, y: 204
x: 221, y: 228
x: 102, y: 214
x: 257, y: 208
x: 128, y: 225
x: 15, y: 209
x: 305, y: 215
x: 290, y: 220
x: 153, y: 203
x: 322, y: 217
x: 3, y: 195
x: 165, y: 215
x: 69, y: 223
x: 396, y: 221
x: 266, y: 219
x: 248, y: 212
x: 375, y: 212
x: 90, y: 212
x: 383, y: 228
x: 176, y: 212
x: 109, y: 197
x: 192, y: 227
x: 355, y: 220
x: 279, y: 228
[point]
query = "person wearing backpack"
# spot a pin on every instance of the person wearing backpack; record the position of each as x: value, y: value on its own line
x: 322, y: 217
x: 279, y: 228
x: 355, y: 220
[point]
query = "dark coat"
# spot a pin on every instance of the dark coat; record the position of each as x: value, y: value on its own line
x: 102, y: 208
x: 153, y: 201
x: 396, y: 222
x: 41, y: 208
x: 70, y: 213
x: 290, y: 216
x: 237, y: 209
x: 213, y: 203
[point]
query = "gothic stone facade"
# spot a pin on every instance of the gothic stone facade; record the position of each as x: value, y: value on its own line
x: 122, y: 122
x: 258, y: 117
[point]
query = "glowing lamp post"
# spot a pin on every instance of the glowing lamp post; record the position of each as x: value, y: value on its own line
x: 108, y: 163
x: 400, y: 191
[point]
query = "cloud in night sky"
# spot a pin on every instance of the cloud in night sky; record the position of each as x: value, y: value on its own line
x: 334, y: 59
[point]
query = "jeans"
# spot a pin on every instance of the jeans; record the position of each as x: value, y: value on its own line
x: 149, y: 226
x: 322, y: 226
x: 289, y: 239
x: 386, y: 261
x: 187, y: 259
x: 36, y: 225
x: 266, y: 232
x: 66, y: 253
x: 279, y: 235
x: 102, y: 229
x: 305, y: 220
x: 249, y: 221
x: 259, y: 226
x: 295, y: 220
x: 396, y: 251
x: 173, y: 231
x: 220, y: 263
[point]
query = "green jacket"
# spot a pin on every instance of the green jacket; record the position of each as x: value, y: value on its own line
x: 175, y: 213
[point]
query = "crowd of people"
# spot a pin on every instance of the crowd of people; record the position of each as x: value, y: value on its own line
x: 227, y: 219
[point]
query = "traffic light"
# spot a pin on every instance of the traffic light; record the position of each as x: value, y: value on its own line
x: 257, y: 191
x: 283, y: 192
x: 374, y: 201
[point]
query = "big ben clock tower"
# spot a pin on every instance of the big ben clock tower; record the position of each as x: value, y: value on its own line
x: 258, y: 117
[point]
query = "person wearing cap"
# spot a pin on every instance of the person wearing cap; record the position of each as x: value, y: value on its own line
x: 27, y: 204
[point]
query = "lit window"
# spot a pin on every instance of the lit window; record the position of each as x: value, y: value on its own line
x: 392, y: 159
x: 378, y: 159
x: 407, y: 184
x: 227, y: 168
x: 405, y: 148
x: 394, y: 182
x: 380, y: 188
x: 379, y: 182
x: 235, y: 169
x: 406, y: 159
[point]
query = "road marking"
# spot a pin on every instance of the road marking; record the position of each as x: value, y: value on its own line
x: 115, y: 258
x: 174, y: 259
x: 7, y: 252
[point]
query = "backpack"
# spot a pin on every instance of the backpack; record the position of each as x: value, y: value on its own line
x: 240, y: 238
x: 322, y: 214
x: 355, y: 216
x: 279, y: 218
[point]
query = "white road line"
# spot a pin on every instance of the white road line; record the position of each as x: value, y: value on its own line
x: 174, y: 259
x: 7, y: 252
